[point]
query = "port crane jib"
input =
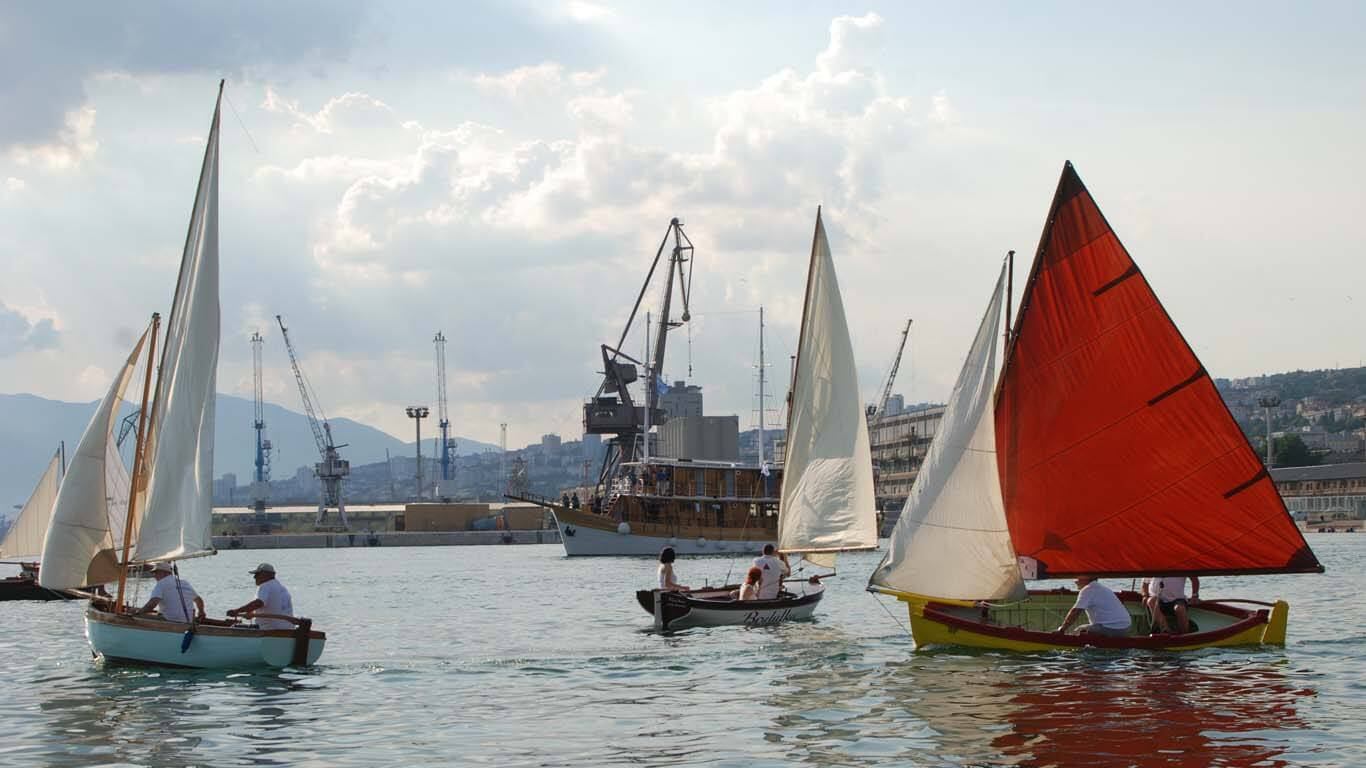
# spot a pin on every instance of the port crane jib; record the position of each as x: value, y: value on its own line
x: 332, y: 468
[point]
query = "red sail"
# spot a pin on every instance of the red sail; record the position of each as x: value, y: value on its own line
x: 1117, y: 455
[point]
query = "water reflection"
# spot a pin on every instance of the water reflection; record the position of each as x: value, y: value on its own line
x: 1066, y: 709
x: 1153, y: 710
x: 160, y: 717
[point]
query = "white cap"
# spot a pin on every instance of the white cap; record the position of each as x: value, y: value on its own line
x: 263, y: 568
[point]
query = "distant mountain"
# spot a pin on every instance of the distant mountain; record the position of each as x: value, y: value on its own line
x: 31, y: 427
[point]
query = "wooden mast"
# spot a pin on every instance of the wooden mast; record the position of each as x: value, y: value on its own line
x: 139, y: 466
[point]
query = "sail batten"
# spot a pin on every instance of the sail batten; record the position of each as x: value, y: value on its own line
x: 1118, y: 455
x: 176, y: 494
x: 827, y: 503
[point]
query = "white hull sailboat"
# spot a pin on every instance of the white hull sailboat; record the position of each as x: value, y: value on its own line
x: 827, y: 503
x: 169, y: 507
x: 144, y: 640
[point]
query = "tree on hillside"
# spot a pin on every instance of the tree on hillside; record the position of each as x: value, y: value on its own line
x: 1292, y: 452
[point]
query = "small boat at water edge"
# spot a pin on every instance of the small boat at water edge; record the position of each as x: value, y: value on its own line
x: 716, y: 607
x: 1102, y: 450
x: 827, y: 501
x: 171, y: 480
x: 1028, y: 625
x: 23, y: 541
x: 129, y: 639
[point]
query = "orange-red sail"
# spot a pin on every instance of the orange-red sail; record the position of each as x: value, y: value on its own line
x: 1117, y: 455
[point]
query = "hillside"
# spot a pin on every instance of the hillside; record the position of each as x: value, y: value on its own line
x: 31, y: 427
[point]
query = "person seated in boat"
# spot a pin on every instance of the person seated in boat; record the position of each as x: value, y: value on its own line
x: 271, y: 597
x: 1104, y: 612
x: 1165, y: 596
x: 667, y: 582
x: 174, y: 596
x: 750, y: 589
x: 773, y: 565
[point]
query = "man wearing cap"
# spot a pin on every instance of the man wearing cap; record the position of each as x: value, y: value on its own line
x: 173, y: 595
x: 271, y: 597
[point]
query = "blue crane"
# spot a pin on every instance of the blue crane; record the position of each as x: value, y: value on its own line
x: 332, y: 469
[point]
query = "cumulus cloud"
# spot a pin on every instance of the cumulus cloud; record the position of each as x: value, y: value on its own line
x: 72, y: 145
x: 18, y: 333
x: 59, y: 51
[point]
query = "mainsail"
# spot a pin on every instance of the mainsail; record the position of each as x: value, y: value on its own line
x: 87, y: 516
x: 24, y: 540
x: 1118, y: 456
x: 176, y: 504
x: 951, y: 540
x: 827, y: 500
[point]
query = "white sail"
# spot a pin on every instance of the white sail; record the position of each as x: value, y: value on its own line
x: 176, y: 514
x: 24, y: 540
x: 78, y: 548
x: 827, y: 501
x: 951, y: 541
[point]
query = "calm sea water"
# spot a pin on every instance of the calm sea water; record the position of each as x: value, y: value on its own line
x: 515, y: 656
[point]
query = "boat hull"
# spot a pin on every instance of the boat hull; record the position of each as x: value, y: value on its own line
x: 141, y: 640
x: 1026, y: 626
x: 19, y: 588
x: 588, y: 535
x: 714, y: 608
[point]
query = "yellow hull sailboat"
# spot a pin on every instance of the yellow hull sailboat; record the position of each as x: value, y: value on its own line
x: 1102, y: 450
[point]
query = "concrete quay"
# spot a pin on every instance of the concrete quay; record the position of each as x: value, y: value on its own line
x: 385, y: 539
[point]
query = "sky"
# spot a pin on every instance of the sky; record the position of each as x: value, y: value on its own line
x: 504, y: 172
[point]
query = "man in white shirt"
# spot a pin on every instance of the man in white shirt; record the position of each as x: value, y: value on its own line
x: 1106, y: 614
x: 774, y: 567
x: 173, y: 595
x: 271, y: 597
x: 1166, y: 596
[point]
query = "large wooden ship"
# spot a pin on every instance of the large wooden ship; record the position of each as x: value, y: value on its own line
x: 643, y: 501
x: 696, y: 507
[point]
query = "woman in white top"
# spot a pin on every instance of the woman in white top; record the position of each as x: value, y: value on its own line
x: 667, y: 582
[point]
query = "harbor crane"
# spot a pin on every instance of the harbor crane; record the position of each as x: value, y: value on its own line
x: 611, y: 411
x: 260, y: 487
x: 876, y: 410
x: 447, y: 447
x: 332, y: 469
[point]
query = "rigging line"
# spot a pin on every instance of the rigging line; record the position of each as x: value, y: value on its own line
x: 894, y: 619
x: 241, y: 123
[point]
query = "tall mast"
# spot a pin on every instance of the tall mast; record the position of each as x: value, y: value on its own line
x: 650, y: 376
x: 139, y: 465
x: 761, y: 385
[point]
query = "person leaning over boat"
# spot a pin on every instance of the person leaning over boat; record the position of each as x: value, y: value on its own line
x: 173, y: 595
x: 1104, y: 611
x: 1166, y: 596
x: 667, y: 582
x: 774, y: 566
x: 271, y: 597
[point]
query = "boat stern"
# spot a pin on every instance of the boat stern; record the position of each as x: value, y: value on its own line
x: 1274, y: 633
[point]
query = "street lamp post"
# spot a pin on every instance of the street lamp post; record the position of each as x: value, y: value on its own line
x: 1268, y: 402
x: 417, y: 413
